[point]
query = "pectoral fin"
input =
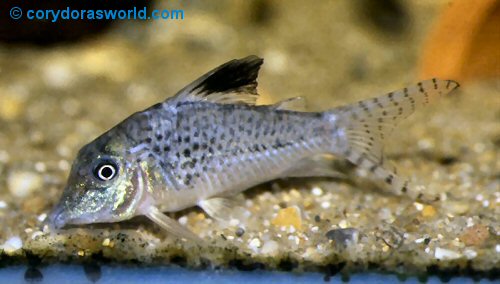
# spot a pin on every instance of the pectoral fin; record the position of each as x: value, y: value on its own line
x: 171, y: 225
x: 221, y: 209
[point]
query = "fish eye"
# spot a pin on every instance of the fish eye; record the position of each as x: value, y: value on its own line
x: 105, y: 170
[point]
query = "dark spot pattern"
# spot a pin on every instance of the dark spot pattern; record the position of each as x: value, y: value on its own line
x: 202, y: 138
x: 370, y: 121
x: 217, y: 133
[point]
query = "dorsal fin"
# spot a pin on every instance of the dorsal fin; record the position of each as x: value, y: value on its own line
x: 234, y: 82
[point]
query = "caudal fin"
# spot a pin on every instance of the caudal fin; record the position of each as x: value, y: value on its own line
x: 366, y: 124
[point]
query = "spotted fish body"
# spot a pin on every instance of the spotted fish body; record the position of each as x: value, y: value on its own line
x: 211, y: 141
x: 228, y: 148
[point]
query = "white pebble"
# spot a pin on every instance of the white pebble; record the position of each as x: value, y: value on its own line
x: 294, y: 239
x: 247, y: 213
x: 368, y: 198
x: 443, y: 196
x: 418, y: 206
x: 385, y: 214
x: 3, y: 204
x: 325, y: 204
x: 424, y: 144
x: 486, y: 203
x: 497, y: 248
x: 183, y: 220
x: 470, y: 254
x: 420, y: 188
x: 310, y: 253
x: 255, y: 243
x: 22, y: 183
x: 40, y: 167
x: 315, y: 229
x: 42, y: 217
x: 343, y: 224
x: 12, y: 244
x: 234, y: 222
x: 441, y: 253
x: 106, y: 242
x: 270, y: 247
x: 317, y: 191
x: 419, y: 241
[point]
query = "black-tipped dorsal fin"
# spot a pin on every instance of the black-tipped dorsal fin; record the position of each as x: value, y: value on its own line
x: 234, y: 82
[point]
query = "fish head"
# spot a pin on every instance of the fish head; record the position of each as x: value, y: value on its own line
x: 104, y: 184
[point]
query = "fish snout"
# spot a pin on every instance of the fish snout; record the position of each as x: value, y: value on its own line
x: 57, y: 218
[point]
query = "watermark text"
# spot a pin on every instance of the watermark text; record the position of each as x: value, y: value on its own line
x: 68, y: 13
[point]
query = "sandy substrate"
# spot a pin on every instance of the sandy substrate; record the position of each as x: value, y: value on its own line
x: 55, y: 100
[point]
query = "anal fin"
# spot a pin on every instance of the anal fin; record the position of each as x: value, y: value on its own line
x: 170, y: 225
x: 316, y: 166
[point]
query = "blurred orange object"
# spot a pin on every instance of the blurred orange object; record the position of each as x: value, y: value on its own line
x: 464, y: 45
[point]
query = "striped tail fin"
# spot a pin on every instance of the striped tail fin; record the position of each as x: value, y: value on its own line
x: 363, y: 127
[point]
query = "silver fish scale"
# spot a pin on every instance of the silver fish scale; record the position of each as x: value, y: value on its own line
x: 221, y: 142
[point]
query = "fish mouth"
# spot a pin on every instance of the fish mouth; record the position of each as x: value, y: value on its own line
x: 57, y: 218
